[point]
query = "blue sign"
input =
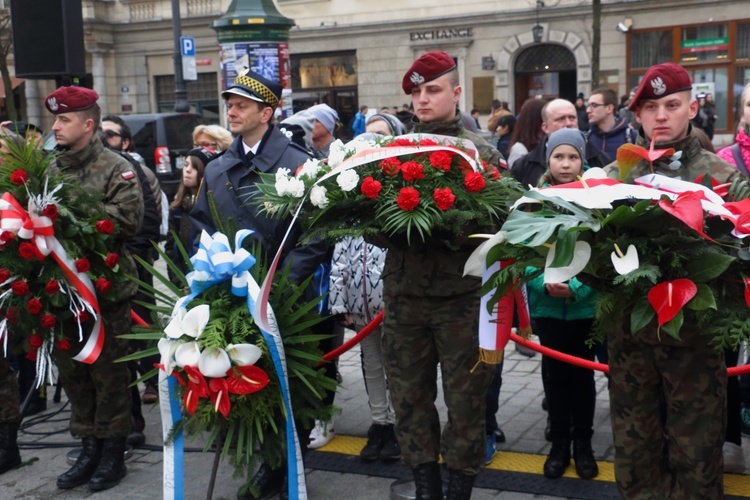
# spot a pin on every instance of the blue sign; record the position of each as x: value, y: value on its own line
x: 187, y: 46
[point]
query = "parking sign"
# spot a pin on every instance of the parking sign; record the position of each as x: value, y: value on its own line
x: 188, y: 46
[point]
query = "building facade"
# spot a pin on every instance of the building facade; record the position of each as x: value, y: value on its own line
x: 350, y: 52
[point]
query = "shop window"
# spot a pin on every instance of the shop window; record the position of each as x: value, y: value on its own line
x: 204, y: 88
x: 649, y: 48
x: 324, y: 71
x: 743, y: 43
x: 704, y: 43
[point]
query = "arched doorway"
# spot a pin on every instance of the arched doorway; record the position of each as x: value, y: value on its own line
x: 546, y: 70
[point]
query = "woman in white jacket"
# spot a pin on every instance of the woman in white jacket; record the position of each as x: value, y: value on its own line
x: 356, y: 295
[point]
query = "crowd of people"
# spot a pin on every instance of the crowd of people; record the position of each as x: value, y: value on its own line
x: 664, y: 448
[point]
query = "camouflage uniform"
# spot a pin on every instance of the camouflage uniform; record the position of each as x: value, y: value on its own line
x: 431, y: 317
x: 684, y: 380
x: 98, y: 392
x: 10, y: 399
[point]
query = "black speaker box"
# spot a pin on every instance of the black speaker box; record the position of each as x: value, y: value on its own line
x: 48, y: 38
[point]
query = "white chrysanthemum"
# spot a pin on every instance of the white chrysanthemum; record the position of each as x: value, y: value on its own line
x: 295, y: 188
x: 348, y: 179
x: 310, y: 169
x: 337, y: 153
x: 318, y: 196
x: 282, y: 173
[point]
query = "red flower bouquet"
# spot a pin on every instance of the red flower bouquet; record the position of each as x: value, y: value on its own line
x: 397, y: 186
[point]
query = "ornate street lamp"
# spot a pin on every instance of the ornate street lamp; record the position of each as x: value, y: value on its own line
x: 538, y: 29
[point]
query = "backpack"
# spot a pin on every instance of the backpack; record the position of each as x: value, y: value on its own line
x: 738, y: 160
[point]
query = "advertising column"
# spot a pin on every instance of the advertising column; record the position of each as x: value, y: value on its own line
x: 255, y: 35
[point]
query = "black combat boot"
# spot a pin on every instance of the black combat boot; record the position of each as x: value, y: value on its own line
x: 371, y: 451
x: 10, y: 457
x: 429, y: 484
x: 88, y: 461
x: 558, y: 459
x: 583, y: 455
x: 111, y: 468
x: 459, y: 485
x: 391, y: 449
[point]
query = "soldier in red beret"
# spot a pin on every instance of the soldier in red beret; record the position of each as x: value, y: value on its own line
x: 98, y: 392
x: 667, y: 393
x: 431, y: 316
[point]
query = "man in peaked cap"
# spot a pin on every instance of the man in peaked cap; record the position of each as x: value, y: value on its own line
x: 652, y: 376
x: 432, y: 316
x: 98, y: 392
x: 260, y: 147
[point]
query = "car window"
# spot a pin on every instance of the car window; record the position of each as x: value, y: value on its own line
x: 179, y: 130
x: 145, y: 138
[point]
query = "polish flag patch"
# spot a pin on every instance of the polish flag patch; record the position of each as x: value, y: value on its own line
x: 128, y: 175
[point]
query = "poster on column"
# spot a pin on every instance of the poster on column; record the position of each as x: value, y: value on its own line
x: 263, y: 59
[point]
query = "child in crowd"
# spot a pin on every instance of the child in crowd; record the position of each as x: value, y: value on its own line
x: 562, y: 315
x: 356, y: 296
x: 179, y: 209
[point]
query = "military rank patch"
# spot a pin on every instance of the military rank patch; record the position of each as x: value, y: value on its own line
x: 128, y: 175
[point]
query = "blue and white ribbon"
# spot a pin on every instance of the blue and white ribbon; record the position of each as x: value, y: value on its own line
x: 214, y: 263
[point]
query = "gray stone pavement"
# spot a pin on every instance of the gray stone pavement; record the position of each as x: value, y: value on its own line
x: 46, y: 443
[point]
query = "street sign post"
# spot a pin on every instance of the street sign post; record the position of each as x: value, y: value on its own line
x: 187, y: 49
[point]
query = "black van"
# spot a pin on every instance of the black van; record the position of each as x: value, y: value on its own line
x: 163, y: 140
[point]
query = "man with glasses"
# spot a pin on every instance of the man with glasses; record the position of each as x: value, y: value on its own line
x: 608, y: 130
x: 556, y: 114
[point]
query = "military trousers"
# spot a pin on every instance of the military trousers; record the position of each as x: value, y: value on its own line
x: 668, y: 411
x: 10, y: 399
x: 420, y: 333
x: 98, y: 392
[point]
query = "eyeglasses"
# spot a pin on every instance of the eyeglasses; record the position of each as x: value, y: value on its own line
x: 111, y: 133
x: 595, y: 105
x: 211, y: 145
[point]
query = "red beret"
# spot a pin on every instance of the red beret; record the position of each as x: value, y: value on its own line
x: 425, y: 69
x: 68, y: 99
x: 660, y: 81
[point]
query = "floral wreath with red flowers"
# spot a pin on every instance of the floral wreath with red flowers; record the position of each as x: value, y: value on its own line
x: 411, y: 185
x: 55, y: 262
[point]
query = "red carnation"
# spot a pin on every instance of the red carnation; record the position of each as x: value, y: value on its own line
x: 36, y: 341
x: 51, y: 212
x: 412, y: 171
x: 105, y: 226
x: 474, y: 182
x: 62, y: 345
x: 391, y: 166
x: 20, y: 288
x: 83, y: 316
x: 26, y: 251
x: 407, y: 199
x: 444, y: 198
x: 19, y: 177
x: 34, y: 306
x: 441, y: 160
x: 111, y: 260
x: 51, y: 287
x: 4, y: 275
x: 7, y: 236
x: 371, y: 188
x: 48, y: 321
x: 427, y: 142
x: 31, y: 355
x: 12, y: 314
x: 494, y: 172
x: 102, y: 284
x: 402, y: 141
x: 82, y: 265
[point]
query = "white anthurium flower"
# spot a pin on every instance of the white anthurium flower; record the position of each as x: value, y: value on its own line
x: 167, y: 350
x: 214, y: 362
x: 336, y: 153
x: 581, y: 256
x: 190, y: 323
x: 187, y: 354
x: 244, y: 354
x: 348, y: 179
x: 318, y: 196
x: 475, y: 263
x: 625, y: 263
x: 594, y: 173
